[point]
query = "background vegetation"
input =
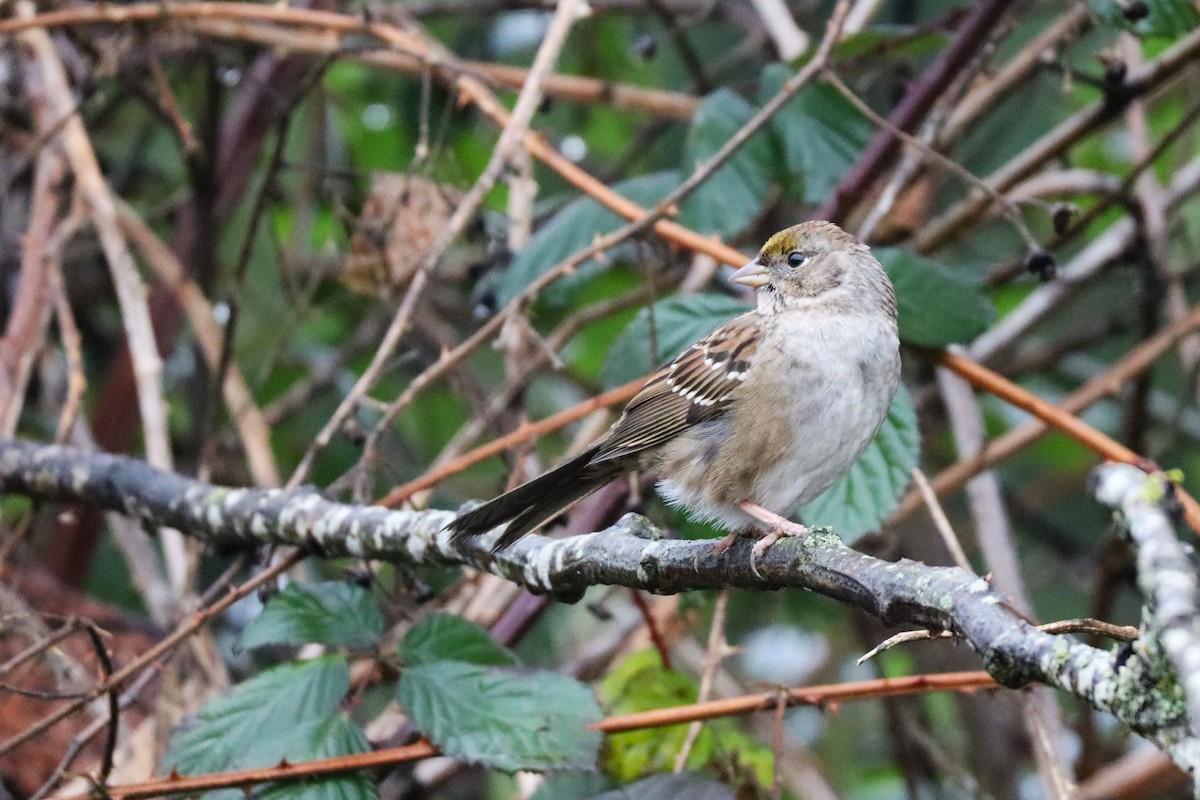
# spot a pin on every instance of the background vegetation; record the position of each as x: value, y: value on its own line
x: 354, y: 279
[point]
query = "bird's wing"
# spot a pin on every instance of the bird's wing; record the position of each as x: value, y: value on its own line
x: 695, y: 387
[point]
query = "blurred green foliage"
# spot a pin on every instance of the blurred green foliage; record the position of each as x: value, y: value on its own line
x: 295, y: 317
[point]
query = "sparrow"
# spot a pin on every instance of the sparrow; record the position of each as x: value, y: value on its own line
x: 757, y: 418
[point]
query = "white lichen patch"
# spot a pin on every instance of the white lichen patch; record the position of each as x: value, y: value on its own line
x: 213, y: 516
x: 651, y: 554
x: 331, y: 527
x: 302, y: 514
x: 1114, y: 482
x: 416, y: 544
x: 980, y: 586
x: 79, y: 477
x: 541, y: 565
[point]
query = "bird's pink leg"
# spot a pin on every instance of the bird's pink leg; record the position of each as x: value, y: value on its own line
x: 779, y: 527
x: 726, y: 541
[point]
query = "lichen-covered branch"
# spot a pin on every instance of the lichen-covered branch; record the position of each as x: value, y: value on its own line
x: 1165, y: 570
x: 1136, y: 685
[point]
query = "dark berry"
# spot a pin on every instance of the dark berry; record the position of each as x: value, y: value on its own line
x: 1041, y: 264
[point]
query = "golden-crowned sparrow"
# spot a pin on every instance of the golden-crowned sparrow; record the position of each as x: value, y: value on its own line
x: 760, y: 416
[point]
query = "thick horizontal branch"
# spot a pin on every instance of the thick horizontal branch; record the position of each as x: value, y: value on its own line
x: 1139, y: 689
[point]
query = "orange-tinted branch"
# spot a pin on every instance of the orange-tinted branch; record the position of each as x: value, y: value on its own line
x: 337, y: 765
x: 983, y: 378
x: 522, y: 434
x: 809, y: 695
x: 828, y: 694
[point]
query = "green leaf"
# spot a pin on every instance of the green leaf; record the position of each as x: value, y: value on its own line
x: 445, y: 637
x: 670, y: 787
x: 503, y: 718
x: 572, y: 229
x: 864, y: 496
x: 937, y: 306
x: 336, y: 614
x: 640, y: 682
x: 290, y: 711
x: 1169, y: 18
x: 327, y: 738
x: 822, y: 133
x: 896, y: 40
x: 734, y: 195
x: 572, y: 786
x: 659, y: 333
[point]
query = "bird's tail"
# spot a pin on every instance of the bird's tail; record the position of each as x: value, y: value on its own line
x: 530, y: 504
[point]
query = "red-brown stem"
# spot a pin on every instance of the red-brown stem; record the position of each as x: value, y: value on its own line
x: 983, y: 378
x: 809, y: 695
x: 523, y: 433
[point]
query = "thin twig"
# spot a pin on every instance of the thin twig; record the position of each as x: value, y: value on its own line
x: 718, y: 649
x: 940, y: 521
x: 524, y: 433
x: 912, y: 109
x: 25, y: 330
x: 72, y: 751
x: 1135, y: 362
x: 1052, y: 144
x: 72, y: 343
x: 1011, y: 213
x: 1121, y: 633
x: 114, y: 706
x: 515, y: 129
x: 248, y: 418
x: 1060, y: 419
x: 131, y: 294
x: 157, y: 651
x: 640, y: 218
x: 1015, y: 73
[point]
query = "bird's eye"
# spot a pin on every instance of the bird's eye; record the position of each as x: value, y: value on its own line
x: 796, y: 258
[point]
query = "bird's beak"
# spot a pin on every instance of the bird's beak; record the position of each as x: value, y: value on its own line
x: 753, y: 274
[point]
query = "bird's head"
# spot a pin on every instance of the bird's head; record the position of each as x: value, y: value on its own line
x: 817, y: 263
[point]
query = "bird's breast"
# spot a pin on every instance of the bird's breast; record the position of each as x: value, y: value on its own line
x: 812, y: 401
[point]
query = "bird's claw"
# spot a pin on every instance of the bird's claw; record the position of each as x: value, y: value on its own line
x: 773, y: 535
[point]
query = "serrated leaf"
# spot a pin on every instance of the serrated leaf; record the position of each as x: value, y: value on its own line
x: 503, y: 718
x: 1169, y: 18
x: 734, y: 195
x: 937, y: 306
x: 334, y: 613
x: 284, y: 712
x: 572, y: 229
x: 864, y: 496
x: 445, y: 637
x: 670, y: 787
x: 659, y: 333
x: 821, y: 133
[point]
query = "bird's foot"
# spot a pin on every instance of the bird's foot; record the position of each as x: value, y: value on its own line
x: 779, y: 528
x: 725, y: 542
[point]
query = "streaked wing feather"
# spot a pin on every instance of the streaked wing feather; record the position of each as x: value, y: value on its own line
x: 697, y: 386
x: 659, y: 416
